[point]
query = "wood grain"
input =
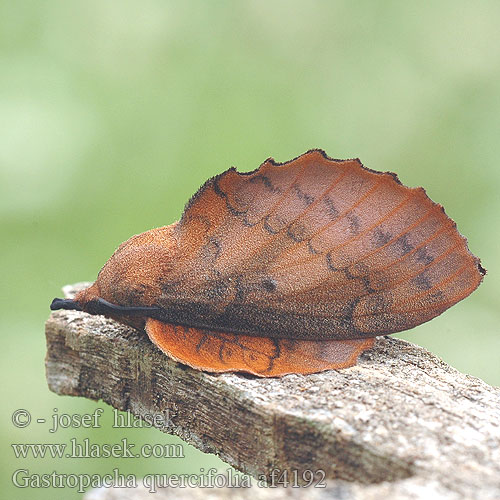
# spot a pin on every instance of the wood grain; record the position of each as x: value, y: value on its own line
x: 401, y: 423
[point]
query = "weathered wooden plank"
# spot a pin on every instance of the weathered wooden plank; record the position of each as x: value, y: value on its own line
x: 402, y: 417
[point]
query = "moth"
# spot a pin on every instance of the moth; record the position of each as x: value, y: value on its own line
x: 295, y: 267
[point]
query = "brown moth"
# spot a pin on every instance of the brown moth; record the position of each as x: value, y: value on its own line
x: 292, y: 268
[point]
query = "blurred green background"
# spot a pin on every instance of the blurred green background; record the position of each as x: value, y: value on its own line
x: 113, y: 113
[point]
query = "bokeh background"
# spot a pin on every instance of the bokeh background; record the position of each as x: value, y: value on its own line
x: 113, y: 113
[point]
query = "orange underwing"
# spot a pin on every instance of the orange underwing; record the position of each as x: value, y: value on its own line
x: 293, y: 268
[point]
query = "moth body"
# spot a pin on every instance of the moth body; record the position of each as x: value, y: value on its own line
x: 291, y: 268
